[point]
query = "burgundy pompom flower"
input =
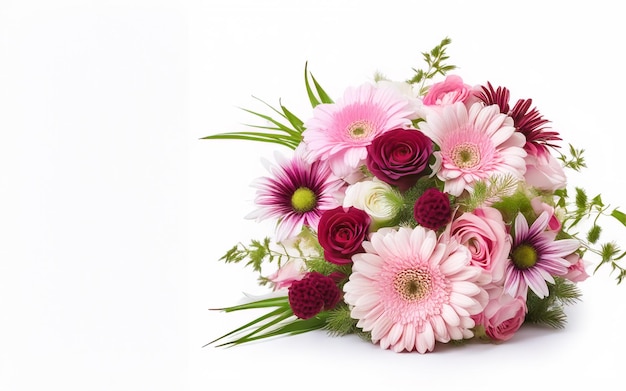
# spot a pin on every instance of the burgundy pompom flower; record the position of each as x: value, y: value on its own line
x: 312, y: 294
x: 341, y: 232
x: 399, y: 157
x: 432, y: 210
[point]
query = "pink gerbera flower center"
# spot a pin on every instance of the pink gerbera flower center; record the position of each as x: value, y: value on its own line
x: 360, y: 129
x: 412, y: 284
x: 465, y: 155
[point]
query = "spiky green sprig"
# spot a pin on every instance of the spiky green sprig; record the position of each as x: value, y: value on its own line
x: 435, y: 59
x: 575, y: 160
x: 592, y: 210
x: 261, y: 252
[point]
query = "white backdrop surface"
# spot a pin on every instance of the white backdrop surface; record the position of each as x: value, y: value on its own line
x: 114, y: 214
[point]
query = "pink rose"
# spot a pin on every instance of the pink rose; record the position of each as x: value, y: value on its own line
x: 576, y: 272
x: 544, y: 172
x: 503, y: 315
x: 447, y: 92
x: 291, y: 271
x: 399, y: 157
x: 341, y: 232
x: 483, y: 232
x: 539, y: 207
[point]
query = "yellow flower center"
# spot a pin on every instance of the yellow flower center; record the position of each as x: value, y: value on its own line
x: 412, y: 284
x: 360, y: 129
x: 303, y: 200
x: 465, y: 155
x: 524, y: 256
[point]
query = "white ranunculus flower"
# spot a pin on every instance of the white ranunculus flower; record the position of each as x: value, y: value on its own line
x: 373, y: 197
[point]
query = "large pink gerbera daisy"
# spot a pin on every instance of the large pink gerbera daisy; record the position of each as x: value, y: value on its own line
x: 296, y: 195
x: 340, y: 132
x: 475, y: 144
x: 536, y: 257
x: 410, y: 289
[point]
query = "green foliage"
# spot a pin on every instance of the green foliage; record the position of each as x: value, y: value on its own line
x: 435, y: 59
x: 260, y: 252
x: 593, y: 209
x: 285, y: 131
x: 550, y: 310
x: 498, y: 188
x: 511, y: 205
x: 288, y: 135
x: 575, y: 160
x: 339, y: 321
x: 279, y: 321
x: 322, y: 96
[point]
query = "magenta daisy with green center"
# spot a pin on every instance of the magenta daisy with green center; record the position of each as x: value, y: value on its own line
x: 295, y: 195
x: 536, y: 257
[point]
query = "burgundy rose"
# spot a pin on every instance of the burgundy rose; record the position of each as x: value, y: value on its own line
x: 312, y: 294
x: 399, y: 157
x: 341, y: 232
x: 432, y: 210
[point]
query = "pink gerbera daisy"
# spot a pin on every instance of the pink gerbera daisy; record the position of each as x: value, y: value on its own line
x: 410, y: 289
x: 536, y: 257
x: 296, y: 195
x: 475, y: 144
x: 340, y: 132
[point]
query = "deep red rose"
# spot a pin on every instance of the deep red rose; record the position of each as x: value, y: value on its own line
x: 399, y: 157
x: 341, y: 232
x: 432, y: 210
x: 313, y: 294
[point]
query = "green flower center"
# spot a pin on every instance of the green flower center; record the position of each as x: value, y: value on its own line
x: 303, y: 200
x: 360, y: 129
x: 465, y: 155
x: 524, y: 256
x: 412, y: 284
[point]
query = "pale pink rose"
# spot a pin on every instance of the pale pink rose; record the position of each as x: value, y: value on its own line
x: 448, y: 92
x: 539, y: 207
x: 483, y: 232
x: 544, y: 172
x: 576, y: 272
x: 503, y: 315
x: 293, y: 270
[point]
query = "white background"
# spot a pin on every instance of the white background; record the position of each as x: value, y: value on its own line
x: 114, y: 214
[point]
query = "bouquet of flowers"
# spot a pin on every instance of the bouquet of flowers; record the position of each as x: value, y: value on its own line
x: 418, y: 212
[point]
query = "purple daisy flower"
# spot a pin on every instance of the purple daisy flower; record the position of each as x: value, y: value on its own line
x: 536, y: 257
x: 296, y: 195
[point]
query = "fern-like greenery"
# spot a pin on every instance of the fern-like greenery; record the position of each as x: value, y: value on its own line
x: 550, y: 310
x: 435, y: 59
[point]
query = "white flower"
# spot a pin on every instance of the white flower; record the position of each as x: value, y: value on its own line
x: 375, y: 198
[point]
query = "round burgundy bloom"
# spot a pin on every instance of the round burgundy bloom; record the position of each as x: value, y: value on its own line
x: 432, y: 210
x: 341, y: 232
x: 399, y: 157
x: 313, y: 294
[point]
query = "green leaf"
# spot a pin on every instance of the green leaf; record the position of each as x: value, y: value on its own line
x: 293, y: 120
x: 620, y: 216
x: 312, y: 98
x: 320, y: 91
x: 279, y: 312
